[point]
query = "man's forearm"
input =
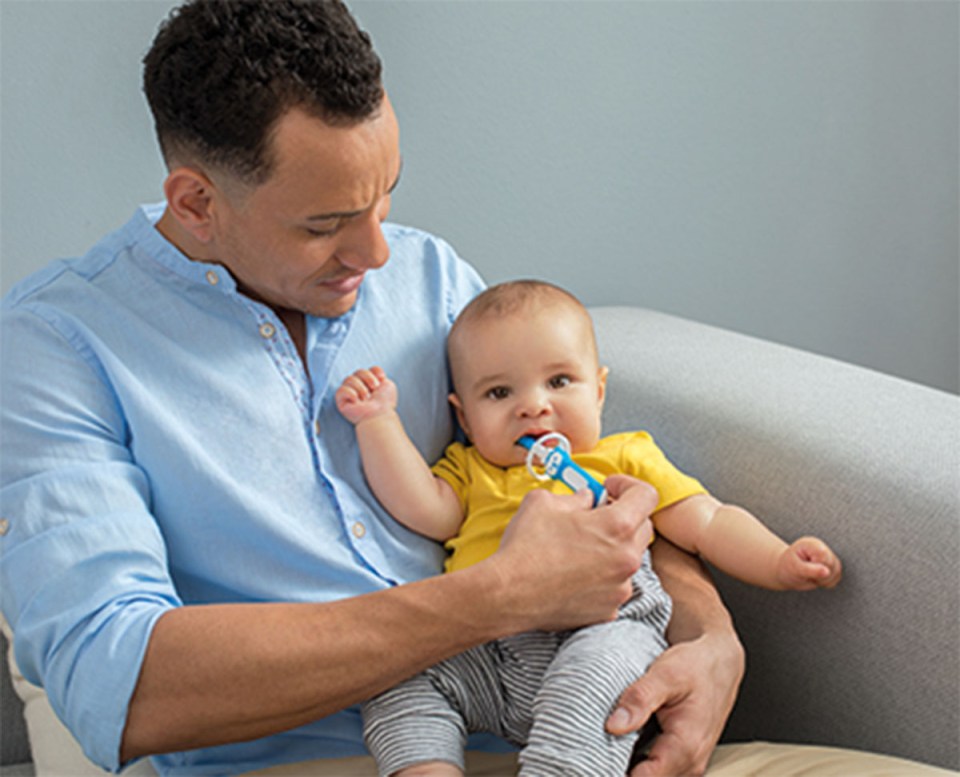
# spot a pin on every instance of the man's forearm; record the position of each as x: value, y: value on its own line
x: 692, y: 687
x: 217, y: 674
x: 698, y: 608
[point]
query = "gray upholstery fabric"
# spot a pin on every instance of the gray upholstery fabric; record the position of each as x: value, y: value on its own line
x: 14, y: 746
x: 869, y: 462
x: 814, y: 446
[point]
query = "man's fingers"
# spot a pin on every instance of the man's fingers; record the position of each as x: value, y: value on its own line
x: 632, y: 499
x: 640, y: 494
x: 638, y: 703
x: 667, y: 758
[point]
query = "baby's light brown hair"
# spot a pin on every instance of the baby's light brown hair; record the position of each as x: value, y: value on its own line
x: 507, y: 299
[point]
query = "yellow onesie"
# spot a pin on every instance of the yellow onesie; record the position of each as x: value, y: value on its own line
x: 490, y: 495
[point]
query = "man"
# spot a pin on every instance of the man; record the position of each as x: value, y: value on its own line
x: 194, y: 565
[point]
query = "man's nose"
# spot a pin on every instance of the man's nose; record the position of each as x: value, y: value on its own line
x: 365, y: 247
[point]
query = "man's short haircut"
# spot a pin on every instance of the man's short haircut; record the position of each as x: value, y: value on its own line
x: 220, y: 73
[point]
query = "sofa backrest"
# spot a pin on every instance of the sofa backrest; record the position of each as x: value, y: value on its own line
x: 869, y: 462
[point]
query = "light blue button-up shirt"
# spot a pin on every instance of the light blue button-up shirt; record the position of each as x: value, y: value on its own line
x: 163, y: 444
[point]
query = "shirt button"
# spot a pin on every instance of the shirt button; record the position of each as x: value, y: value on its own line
x: 4, y: 526
x: 212, y: 278
x: 358, y: 530
x: 267, y: 330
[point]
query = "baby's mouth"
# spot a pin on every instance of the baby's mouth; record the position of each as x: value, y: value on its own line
x: 528, y: 438
x: 532, y: 435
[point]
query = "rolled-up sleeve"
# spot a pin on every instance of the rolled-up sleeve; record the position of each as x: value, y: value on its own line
x: 164, y: 444
x: 84, y: 572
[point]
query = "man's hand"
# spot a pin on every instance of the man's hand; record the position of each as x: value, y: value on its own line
x: 565, y: 565
x: 808, y: 563
x: 691, y: 688
x: 366, y: 394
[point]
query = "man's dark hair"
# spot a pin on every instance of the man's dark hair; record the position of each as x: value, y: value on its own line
x: 220, y: 73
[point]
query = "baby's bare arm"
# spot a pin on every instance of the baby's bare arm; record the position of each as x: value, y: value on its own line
x: 396, y: 471
x: 740, y: 545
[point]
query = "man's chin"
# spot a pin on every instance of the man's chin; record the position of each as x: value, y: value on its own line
x: 333, y: 308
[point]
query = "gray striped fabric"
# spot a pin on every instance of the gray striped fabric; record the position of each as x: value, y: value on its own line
x: 549, y: 693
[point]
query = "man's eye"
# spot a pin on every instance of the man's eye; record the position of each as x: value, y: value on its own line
x: 498, y: 392
x: 560, y: 381
x: 326, y: 231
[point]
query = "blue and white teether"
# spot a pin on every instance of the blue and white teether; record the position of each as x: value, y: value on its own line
x: 557, y: 465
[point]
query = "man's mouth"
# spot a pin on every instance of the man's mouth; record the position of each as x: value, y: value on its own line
x: 345, y: 285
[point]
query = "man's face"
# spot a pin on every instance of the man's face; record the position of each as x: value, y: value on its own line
x: 304, y: 238
x: 528, y: 374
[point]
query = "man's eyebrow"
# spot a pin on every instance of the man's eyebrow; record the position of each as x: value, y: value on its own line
x: 349, y: 214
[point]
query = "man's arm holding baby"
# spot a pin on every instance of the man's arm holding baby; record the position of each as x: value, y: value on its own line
x: 215, y: 674
x: 396, y: 471
x: 738, y: 544
x: 692, y: 686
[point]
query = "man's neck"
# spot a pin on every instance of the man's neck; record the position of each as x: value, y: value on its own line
x: 183, y: 241
x: 196, y: 251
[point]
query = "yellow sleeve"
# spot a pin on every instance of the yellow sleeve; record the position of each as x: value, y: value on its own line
x: 452, y: 468
x: 642, y: 458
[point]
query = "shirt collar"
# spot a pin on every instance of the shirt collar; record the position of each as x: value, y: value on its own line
x: 155, y: 246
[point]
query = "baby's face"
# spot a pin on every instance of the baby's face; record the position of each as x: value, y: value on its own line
x: 528, y: 374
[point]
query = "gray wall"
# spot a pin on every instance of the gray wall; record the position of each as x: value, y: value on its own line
x: 77, y: 151
x: 785, y: 169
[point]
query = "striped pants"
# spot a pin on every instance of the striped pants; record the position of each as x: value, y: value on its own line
x: 549, y: 693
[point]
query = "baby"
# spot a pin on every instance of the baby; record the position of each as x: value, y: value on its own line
x: 524, y: 362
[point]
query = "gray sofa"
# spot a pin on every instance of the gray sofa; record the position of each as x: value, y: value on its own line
x: 869, y: 462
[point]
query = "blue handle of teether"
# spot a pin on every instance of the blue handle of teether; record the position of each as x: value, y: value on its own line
x: 560, y: 466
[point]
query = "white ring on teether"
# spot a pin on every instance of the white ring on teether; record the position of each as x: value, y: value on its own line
x: 540, y: 450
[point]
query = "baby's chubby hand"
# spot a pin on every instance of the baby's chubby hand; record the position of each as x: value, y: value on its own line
x: 809, y: 563
x: 366, y: 394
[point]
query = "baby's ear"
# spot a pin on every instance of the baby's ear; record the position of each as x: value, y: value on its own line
x: 602, y: 374
x: 461, y: 418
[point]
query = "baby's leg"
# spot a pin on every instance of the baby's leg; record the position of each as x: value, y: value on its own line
x: 583, y: 684
x: 580, y: 691
x: 430, y: 769
x: 420, y: 726
x: 412, y: 726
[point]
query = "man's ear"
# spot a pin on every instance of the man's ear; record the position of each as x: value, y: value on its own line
x: 461, y: 418
x: 602, y: 374
x: 190, y: 200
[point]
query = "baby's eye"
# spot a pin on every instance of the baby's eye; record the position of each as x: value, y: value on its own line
x: 498, y: 392
x: 560, y: 381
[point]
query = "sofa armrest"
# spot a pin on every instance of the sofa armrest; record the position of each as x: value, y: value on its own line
x: 811, y: 445
x: 14, y: 745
